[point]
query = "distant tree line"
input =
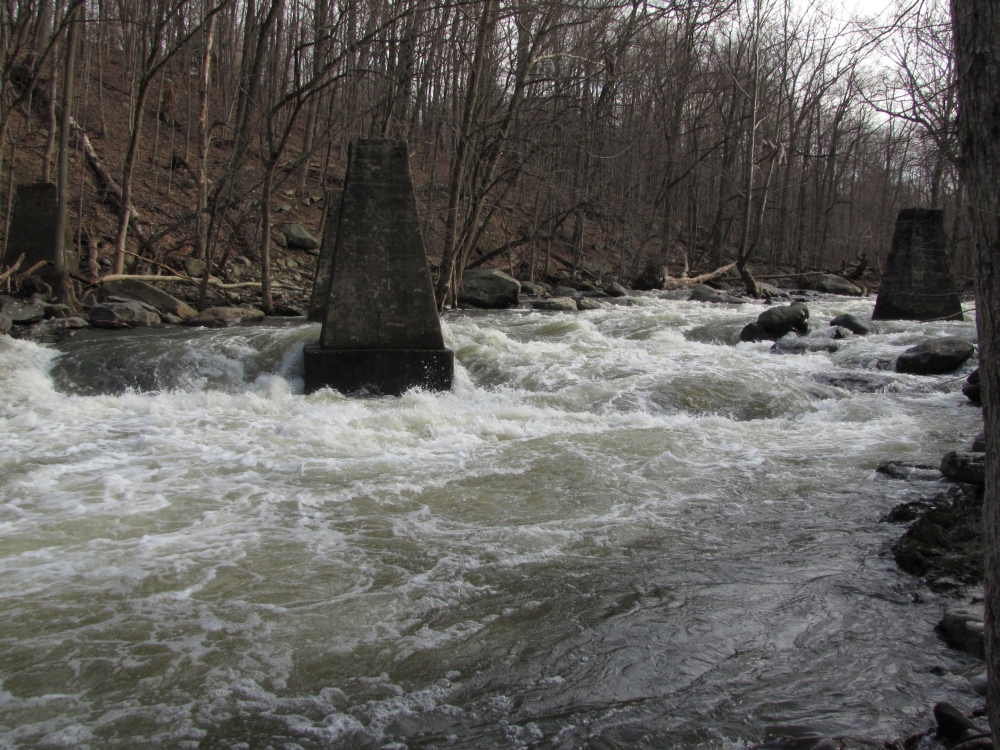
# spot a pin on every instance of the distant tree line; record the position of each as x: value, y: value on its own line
x: 579, y: 137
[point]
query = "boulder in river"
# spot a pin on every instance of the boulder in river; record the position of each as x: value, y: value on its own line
x: 962, y: 627
x: 299, y: 237
x: 489, y: 288
x: 150, y: 295
x: 935, y: 357
x: 972, y: 390
x: 705, y: 293
x: 555, y: 304
x: 585, y: 303
x: 775, y: 322
x: 918, y: 283
x: 566, y: 291
x: 833, y: 284
x: 20, y: 310
x: 223, y: 317
x: 805, y: 345
x: 118, y: 313
x: 532, y: 289
x: 5, y: 324
x: 965, y: 466
x: 851, y: 323
x: 614, y: 289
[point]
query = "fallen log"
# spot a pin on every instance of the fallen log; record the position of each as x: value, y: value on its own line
x: 672, y: 282
x: 191, y: 280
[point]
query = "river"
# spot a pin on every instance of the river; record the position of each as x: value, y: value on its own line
x: 618, y: 530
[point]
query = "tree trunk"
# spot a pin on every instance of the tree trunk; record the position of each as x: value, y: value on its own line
x: 63, y: 285
x: 976, y: 25
x: 201, y: 239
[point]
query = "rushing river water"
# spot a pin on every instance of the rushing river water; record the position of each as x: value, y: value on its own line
x: 617, y: 530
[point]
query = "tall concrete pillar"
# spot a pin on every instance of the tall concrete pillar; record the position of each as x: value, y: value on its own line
x: 33, y: 230
x: 324, y: 265
x: 381, y: 333
x: 918, y: 283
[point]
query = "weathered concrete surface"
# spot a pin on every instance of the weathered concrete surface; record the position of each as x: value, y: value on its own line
x: 378, y: 372
x: 321, y: 283
x: 918, y: 283
x: 33, y: 230
x: 380, y: 287
x: 381, y: 333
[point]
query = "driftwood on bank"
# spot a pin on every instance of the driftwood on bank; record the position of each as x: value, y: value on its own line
x: 190, y: 280
x: 671, y: 282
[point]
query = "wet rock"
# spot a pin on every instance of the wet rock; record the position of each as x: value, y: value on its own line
x: 584, y: 303
x: 139, y: 291
x: 566, y: 291
x: 532, y: 289
x: 805, y: 346
x: 945, y: 543
x: 907, y: 512
x: 935, y: 357
x: 979, y: 443
x: 965, y: 466
x: 299, y: 237
x: 585, y: 286
x: 952, y: 723
x: 614, y: 289
x: 194, y: 268
x: 20, y: 310
x: 754, y: 332
x: 58, y: 311
x: 832, y: 284
x: 555, y: 304
x: 972, y: 390
x: 978, y: 683
x: 705, y: 293
x: 122, y: 314
x: 223, y: 317
x: 72, y: 322
x: 287, y: 310
x: 5, y: 324
x: 489, y: 288
x: 778, y: 321
x: 851, y: 323
x: 962, y: 628
x: 909, y: 472
x: 769, y: 291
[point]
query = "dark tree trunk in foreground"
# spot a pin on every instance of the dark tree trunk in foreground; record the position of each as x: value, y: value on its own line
x: 976, y: 26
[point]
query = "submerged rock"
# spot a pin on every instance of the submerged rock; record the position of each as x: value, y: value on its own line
x: 805, y: 345
x: 223, y: 317
x: 555, y: 304
x: 962, y: 628
x: 972, y: 390
x: 705, y: 293
x: 907, y: 471
x: 857, y: 382
x: 852, y: 324
x: 945, y: 543
x: 935, y: 357
x: 489, y: 288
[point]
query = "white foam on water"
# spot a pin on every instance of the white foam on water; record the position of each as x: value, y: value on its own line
x: 222, y: 545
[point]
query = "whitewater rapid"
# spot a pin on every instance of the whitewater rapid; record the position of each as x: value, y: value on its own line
x: 619, y: 529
